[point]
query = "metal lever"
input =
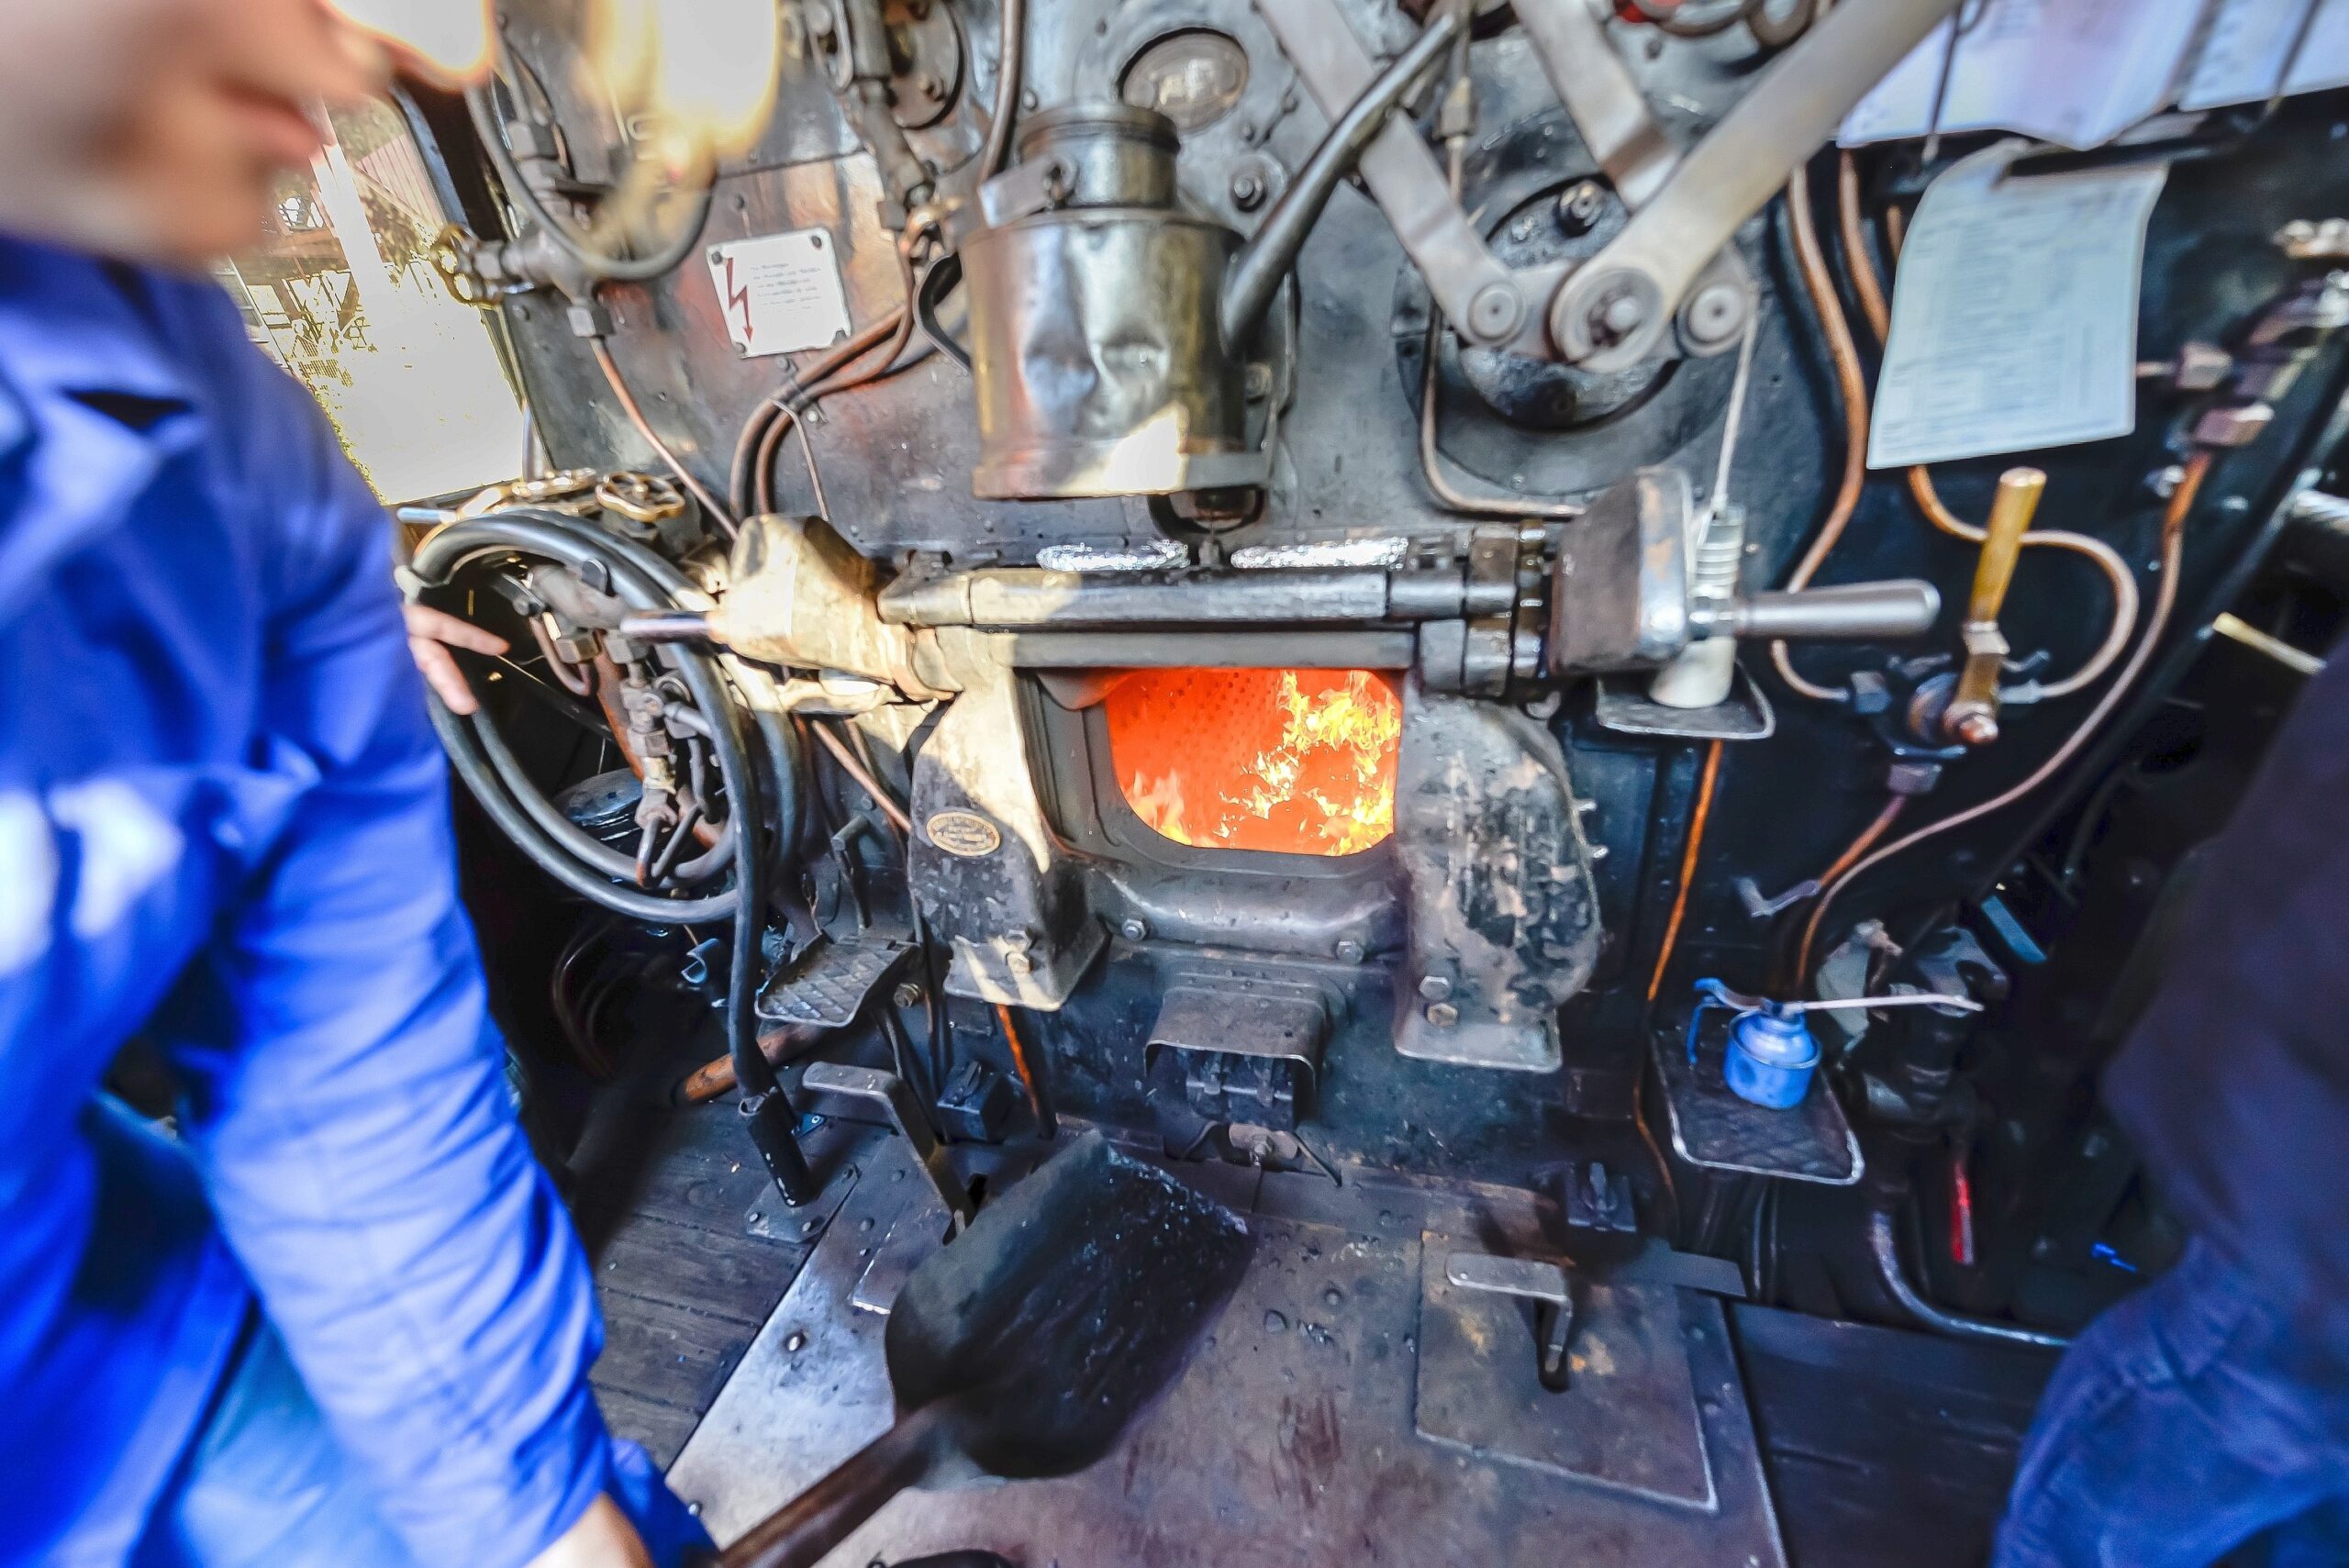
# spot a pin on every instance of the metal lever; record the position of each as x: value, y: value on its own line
x: 1972, y: 716
x: 889, y: 1091
x: 1853, y: 612
x: 1469, y: 284
x: 1530, y: 1279
x: 1615, y: 309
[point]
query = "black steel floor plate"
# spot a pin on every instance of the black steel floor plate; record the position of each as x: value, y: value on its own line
x: 1289, y: 1443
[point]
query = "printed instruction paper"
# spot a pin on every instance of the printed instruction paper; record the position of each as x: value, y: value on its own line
x: 2014, y: 316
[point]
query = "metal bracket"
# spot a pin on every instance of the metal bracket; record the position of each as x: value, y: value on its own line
x: 1503, y: 917
x: 1531, y: 1279
x: 889, y: 1091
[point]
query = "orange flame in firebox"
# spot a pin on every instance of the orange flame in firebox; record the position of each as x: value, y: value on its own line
x: 1298, y: 761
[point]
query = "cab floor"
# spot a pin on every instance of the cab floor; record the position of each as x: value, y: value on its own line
x: 1882, y: 1447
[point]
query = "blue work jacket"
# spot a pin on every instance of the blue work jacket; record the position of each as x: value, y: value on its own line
x: 224, y: 825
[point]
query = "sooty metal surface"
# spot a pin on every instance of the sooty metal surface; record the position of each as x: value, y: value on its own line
x: 1074, y: 1297
x: 1288, y: 1443
x: 1628, y: 1415
x: 829, y: 987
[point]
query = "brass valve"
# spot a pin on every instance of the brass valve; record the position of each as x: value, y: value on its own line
x: 1972, y: 717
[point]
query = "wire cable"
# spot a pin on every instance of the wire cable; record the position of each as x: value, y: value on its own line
x: 1430, y: 460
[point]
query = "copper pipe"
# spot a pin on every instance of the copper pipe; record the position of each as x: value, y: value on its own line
x: 716, y: 1077
x: 626, y: 400
x: 1851, y: 385
x: 1893, y: 807
x: 1865, y: 283
x: 739, y: 487
x: 1046, y: 1123
x: 862, y: 777
x: 791, y: 410
x: 1869, y: 287
x: 2181, y: 503
x: 1699, y: 811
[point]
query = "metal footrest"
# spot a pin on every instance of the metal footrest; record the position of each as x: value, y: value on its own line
x: 827, y: 986
x: 1715, y: 1130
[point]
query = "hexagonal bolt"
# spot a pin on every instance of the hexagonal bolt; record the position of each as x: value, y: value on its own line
x: 1350, y: 950
x: 1616, y: 317
x: 1435, y: 988
x: 1580, y: 207
x: 1442, y: 1015
x: 1133, y: 929
x: 1247, y: 191
x: 906, y: 995
x: 1975, y: 728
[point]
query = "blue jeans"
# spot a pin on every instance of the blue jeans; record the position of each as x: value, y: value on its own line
x: 265, y: 1486
x: 2188, y: 1421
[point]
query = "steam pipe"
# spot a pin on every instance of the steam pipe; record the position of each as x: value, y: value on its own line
x: 1256, y: 273
x: 1886, y: 1250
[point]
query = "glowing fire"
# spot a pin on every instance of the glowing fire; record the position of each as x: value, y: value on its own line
x: 1300, y: 762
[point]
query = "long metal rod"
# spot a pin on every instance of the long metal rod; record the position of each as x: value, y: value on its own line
x: 1885, y: 1248
x: 1257, y: 275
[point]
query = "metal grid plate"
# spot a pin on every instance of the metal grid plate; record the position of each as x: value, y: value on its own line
x: 1714, y: 1130
x: 827, y: 987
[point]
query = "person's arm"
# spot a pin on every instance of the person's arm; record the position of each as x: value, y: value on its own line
x: 349, y: 1106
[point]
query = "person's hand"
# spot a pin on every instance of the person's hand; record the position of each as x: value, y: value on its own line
x: 602, y: 1538
x: 431, y: 634
x: 153, y: 130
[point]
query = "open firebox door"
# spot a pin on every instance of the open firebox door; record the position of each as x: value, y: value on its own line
x: 1284, y: 602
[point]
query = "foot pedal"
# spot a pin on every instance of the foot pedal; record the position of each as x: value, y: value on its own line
x: 829, y: 984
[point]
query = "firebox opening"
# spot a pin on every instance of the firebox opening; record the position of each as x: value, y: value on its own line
x: 1287, y: 762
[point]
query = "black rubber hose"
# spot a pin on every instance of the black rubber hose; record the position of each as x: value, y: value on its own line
x: 641, y: 586
x: 788, y: 768
x: 474, y: 768
x: 567, y: 835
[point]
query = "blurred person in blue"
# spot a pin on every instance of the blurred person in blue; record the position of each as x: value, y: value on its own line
x: 340, y: 1318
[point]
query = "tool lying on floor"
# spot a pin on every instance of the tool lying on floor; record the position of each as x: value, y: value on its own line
x: 1025, y: 1348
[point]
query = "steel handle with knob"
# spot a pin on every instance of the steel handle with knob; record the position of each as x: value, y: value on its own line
x: 1853, y: 612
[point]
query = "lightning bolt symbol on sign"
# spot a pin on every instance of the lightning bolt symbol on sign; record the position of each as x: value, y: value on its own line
x: 738, y: 298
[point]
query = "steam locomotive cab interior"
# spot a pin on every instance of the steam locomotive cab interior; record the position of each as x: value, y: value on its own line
x: 1339, y: 590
